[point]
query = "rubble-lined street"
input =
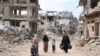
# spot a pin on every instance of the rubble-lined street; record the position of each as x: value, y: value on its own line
x: 27, y: 25
x: 24, y: 50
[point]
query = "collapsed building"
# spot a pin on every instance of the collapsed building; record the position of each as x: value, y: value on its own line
x: 58, y: 22
x: 47, y: 23
x: 91, y: 19
x: 20, y: 14
x: 67, y: 22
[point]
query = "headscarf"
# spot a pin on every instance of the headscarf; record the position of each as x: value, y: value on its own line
x: 35, y: 39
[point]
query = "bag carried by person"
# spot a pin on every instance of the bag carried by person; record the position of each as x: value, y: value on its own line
x: 61, y: 46
x: 69, y: 46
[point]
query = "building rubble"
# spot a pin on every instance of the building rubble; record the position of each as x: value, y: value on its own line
x: 16, y: 27
x: 58, y: 23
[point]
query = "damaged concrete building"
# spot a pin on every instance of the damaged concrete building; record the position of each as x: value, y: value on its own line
x: 19, y: 14
x: 48, y: 21
x: 67, y: 22
x: 58, y: 22
x: 91, y: 18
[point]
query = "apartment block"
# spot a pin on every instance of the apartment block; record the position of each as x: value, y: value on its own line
x: 20, y: 14
x: 91, y: 18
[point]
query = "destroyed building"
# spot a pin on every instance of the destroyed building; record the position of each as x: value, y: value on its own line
x: 19, y: 14
x: 91, y: 18
x: 67, y: 22
x: 48, y: 21
x: 58, y: 22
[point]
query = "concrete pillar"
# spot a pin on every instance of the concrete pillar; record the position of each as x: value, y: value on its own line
x: 85, y: 29
x: 94, y: 28
x: 29, y: 12
x: 88, y: 4
x: 11, y: 2
x: 19, y: 12
x: 15, y: 1
x: 28, y: 1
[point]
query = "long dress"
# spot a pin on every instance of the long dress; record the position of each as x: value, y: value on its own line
x: 45, y: 41
x: 45, y: 46
x: 65, y: 42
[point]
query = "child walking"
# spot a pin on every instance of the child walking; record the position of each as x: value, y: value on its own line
x: 33, y: 50
x: 53, y: 46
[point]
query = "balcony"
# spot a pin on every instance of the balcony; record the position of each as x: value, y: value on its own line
x: 32, y: 19
x: 22, y: 3
x: 94, y: 11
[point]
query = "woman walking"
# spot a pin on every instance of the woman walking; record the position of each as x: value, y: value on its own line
x: 35, y: 42
x: 45, y: 41
x: 53, y: 46
x: 65, y: 42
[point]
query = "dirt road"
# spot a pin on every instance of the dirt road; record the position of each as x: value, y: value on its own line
x: 24, y: 50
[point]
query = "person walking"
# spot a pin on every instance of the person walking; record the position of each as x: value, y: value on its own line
x: 45, y: 41
x: 35, y: 42
x: 65, y: 43
x: 53, y: 46
x: 33, y: 50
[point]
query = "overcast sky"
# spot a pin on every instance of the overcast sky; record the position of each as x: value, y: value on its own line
x: 61, y: 5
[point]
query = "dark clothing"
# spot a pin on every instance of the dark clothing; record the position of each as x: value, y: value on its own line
x: 53, y: 48
x: 45, y: 38
x: 33, y: 51
x: 45, y: 47
x: 65, y: 42
x: 45, y: 41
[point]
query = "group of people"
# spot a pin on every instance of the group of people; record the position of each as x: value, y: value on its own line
x: 35, y: 40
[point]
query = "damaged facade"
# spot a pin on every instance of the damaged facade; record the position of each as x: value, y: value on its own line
x: 20, y: 14
x: 58, y: 22
x: 91, y: 18
x: 48, y: 21
x: 67, y: 22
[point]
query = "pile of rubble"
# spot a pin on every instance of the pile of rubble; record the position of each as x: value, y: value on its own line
x: 82, y: 41
x: 9, y: 39
x: 6, y: 49
x: 90, y: 50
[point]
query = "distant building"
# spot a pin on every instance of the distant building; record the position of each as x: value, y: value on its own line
x: 58, y: 22
x: 47, y: 21
x: 68, y: 21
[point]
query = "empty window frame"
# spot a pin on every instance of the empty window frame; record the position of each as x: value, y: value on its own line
x: 5, y: 1
x: 32, y: 1
x: 42, y: 23
x: 15, y: 23
x: 93, y: 28
x: 23, y: 26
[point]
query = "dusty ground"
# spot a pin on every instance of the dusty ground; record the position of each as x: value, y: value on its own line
x: 24, y: 50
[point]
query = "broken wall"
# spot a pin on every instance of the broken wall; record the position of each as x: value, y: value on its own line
x: 91, y: 30
x: 24, y: 24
